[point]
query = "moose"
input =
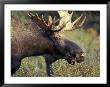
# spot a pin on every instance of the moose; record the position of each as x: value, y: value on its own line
x: 37, y: 37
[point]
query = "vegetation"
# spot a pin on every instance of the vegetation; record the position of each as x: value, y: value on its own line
x: 88, y: 40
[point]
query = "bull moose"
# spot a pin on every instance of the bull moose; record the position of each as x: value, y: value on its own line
x: 37, y: 37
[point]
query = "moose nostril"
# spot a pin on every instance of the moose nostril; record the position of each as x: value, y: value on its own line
x: 82, y: 55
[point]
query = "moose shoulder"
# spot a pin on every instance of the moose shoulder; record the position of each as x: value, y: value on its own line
x: 36, y: 37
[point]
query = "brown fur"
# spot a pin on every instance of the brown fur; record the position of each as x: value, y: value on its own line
x: 26, y: 39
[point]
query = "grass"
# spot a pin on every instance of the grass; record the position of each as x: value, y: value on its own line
x: 89, y: 41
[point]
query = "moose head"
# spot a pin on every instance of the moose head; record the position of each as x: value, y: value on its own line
x: 39, y: 37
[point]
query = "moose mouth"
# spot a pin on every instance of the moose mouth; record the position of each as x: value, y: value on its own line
x: 71, y: 60
x: 78, y: 58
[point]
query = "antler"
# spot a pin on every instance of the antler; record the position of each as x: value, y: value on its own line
x: 79, y: 22
x: 40, y: 21
x: 67, y: 17
x: 64, y: 22
x: 50, y: 27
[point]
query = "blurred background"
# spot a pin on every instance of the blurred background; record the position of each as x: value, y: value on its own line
x: 87, y: 37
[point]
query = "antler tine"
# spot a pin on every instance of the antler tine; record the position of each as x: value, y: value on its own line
x: 83, y: 21
x: 50, y: 21
x: 79, y: 22
x: 71, y: 13
x: 30, y: 14
x: 39, y: 21
x: 54, y: 19
x: 60, y: 27
x: 43, y: 20
x: 37, y: 14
